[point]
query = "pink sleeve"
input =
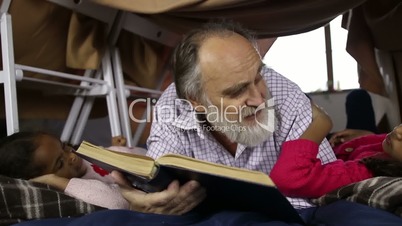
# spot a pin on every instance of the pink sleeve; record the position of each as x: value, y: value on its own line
x: 299, y: 173
x: 96, y: 192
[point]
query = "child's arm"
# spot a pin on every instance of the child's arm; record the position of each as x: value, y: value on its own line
x: 97, y: 192
x: 53, y: 180
x: 299, y: 173
x: 89, y: 190
x: 319, y: 127
x: 347, y: 135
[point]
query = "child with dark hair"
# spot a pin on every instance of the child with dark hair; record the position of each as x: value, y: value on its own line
x: 41, y: 157
x: 298, y: 171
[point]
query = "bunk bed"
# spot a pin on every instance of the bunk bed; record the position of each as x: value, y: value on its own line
x: 89, y: 50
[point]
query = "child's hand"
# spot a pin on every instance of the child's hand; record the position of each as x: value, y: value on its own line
x: 119, y: 141
x: 346, y: 135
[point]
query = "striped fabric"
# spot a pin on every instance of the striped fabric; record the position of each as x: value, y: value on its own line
x: 378, y: 192
x: 22, y: 200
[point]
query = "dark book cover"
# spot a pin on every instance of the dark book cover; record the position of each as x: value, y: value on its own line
x: 223, y: 193
x: 226, y: 193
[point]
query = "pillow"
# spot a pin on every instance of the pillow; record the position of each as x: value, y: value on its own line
x: 22, y: 200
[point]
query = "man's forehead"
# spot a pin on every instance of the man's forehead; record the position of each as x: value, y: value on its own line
x: 214, y: 45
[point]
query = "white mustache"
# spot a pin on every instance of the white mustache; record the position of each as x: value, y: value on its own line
x: 247, y: 111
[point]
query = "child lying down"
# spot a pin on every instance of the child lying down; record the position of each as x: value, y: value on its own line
x: 41, y: 157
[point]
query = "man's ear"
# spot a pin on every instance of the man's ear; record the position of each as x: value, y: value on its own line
x: 198, y: 107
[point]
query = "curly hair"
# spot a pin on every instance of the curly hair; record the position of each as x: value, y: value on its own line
x: 17, y: 153
x: 380, y: 166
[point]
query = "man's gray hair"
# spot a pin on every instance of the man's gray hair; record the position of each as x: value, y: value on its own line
x: 186, y: 68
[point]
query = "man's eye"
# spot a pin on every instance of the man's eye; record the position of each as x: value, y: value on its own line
x: 237, y: 92
x: 258, y: 79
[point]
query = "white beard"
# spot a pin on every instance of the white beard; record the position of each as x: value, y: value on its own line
x: 237, y: 131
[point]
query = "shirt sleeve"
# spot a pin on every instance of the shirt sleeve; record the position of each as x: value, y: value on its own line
x: 343, y: 151
x: 96, y: 192
x: 163, y: 139
x: 299, y: 173
x: 298, y: 114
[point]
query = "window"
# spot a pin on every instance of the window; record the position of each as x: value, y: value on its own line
x: 302, y: 58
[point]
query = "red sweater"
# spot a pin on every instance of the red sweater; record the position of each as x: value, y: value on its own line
x: 299, y: 173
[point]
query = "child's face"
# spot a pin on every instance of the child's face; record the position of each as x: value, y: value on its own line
x: 58, y: 158
x: 392, y: 144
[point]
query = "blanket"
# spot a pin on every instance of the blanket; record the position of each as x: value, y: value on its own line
x: 22, y: 200
x: 378, y: 192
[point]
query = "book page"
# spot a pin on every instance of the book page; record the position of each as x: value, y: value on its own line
x: 139, y: 165
x: 215, y: 169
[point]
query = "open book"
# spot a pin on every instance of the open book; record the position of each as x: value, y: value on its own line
x: 227, y: 187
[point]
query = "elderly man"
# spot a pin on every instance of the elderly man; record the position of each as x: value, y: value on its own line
x: 227, y: 107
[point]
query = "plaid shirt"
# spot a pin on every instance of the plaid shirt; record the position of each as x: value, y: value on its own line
x: 174, y: 130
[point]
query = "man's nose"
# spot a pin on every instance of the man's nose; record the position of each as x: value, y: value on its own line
x: 255, y: 98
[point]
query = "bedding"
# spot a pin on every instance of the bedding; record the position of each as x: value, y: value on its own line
x: 22, y: 200
x: 24, y: 203
x: 378, y: 192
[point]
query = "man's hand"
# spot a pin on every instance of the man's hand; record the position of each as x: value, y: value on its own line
x: 175, y: 200
x: 346, y: 135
